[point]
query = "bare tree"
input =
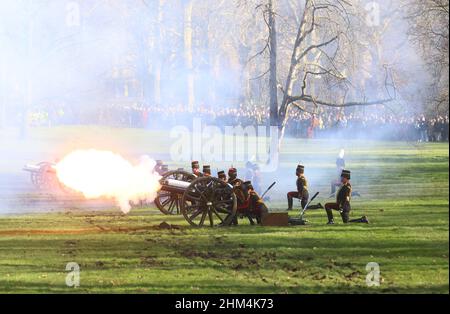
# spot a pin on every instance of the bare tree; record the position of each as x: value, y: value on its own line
x: 320, y: 58
x: 429, y: 31
x: 271, y: 24
x: 329, y: 25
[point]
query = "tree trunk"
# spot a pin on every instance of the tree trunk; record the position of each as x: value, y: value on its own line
x: 292, y: 75
x: 273, y: 66
x: 188, y: 53
x: 158, y: 56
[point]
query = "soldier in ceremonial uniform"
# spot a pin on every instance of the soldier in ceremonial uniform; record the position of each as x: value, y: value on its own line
x: 343, y: 202
x: 222, y: 176
x: 238, y: 189
x: 302, y: 190
x: 206, y: 171
x: 249, y: 173
x: 257, y: 179
x: 196, y: 169
x: 232, y: 177
x: 257, y: 208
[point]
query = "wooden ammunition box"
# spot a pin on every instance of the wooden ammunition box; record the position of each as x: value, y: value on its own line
x: 275, y: 220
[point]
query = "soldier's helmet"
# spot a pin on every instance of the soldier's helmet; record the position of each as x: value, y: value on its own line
x: 345, y: 174
x: 207, y: 169
x: 300, y: 169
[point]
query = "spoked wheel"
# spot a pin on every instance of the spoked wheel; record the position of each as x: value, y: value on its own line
x: 209, y: 201
x: 169, y: 203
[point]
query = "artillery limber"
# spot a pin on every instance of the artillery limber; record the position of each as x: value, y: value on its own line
x: 202, y: 201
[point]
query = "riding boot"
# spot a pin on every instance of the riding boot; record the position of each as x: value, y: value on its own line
x: 290, y: 202
x: 329, y: 214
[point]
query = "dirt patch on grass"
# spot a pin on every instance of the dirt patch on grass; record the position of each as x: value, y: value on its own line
x: 94, y: 230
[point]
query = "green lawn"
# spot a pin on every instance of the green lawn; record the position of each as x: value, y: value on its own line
x: 404, y: 189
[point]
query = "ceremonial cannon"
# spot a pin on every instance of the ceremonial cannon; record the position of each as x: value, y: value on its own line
x: 43, y: 175
x: 202, y: 201
x: 168, y: 199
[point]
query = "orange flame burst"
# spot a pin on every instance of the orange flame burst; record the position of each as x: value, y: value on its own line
x: 98, y: 174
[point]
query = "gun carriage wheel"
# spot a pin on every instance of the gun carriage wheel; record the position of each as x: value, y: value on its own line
x: 209, y: 201
x: 43, y: 178
x: 168, y: 201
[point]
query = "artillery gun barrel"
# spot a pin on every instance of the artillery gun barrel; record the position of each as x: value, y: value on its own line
x: 37, y: 168
x: 31, y: 168
x: 175, y: 186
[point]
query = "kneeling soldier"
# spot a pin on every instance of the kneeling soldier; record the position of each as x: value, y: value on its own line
x: 257, y: 208
x: 302, y: 190
x: 343, y: 202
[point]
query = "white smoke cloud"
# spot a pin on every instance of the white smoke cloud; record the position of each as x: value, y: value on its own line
x: 104, y: 174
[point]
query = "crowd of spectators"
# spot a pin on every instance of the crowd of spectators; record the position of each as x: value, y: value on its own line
x: 329, y: 123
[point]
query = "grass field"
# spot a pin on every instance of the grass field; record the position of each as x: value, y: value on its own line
x: 404, y: 189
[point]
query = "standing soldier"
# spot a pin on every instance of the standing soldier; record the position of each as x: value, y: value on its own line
x: 249, y: 173
x: 257, y: 179
x: 343, y: 202
x: 340, y: 165
x: 196, y: 169
x: 302, y: 190
x: 238, y: 189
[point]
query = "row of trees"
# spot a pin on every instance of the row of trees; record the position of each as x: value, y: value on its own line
x: 287, y: 54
